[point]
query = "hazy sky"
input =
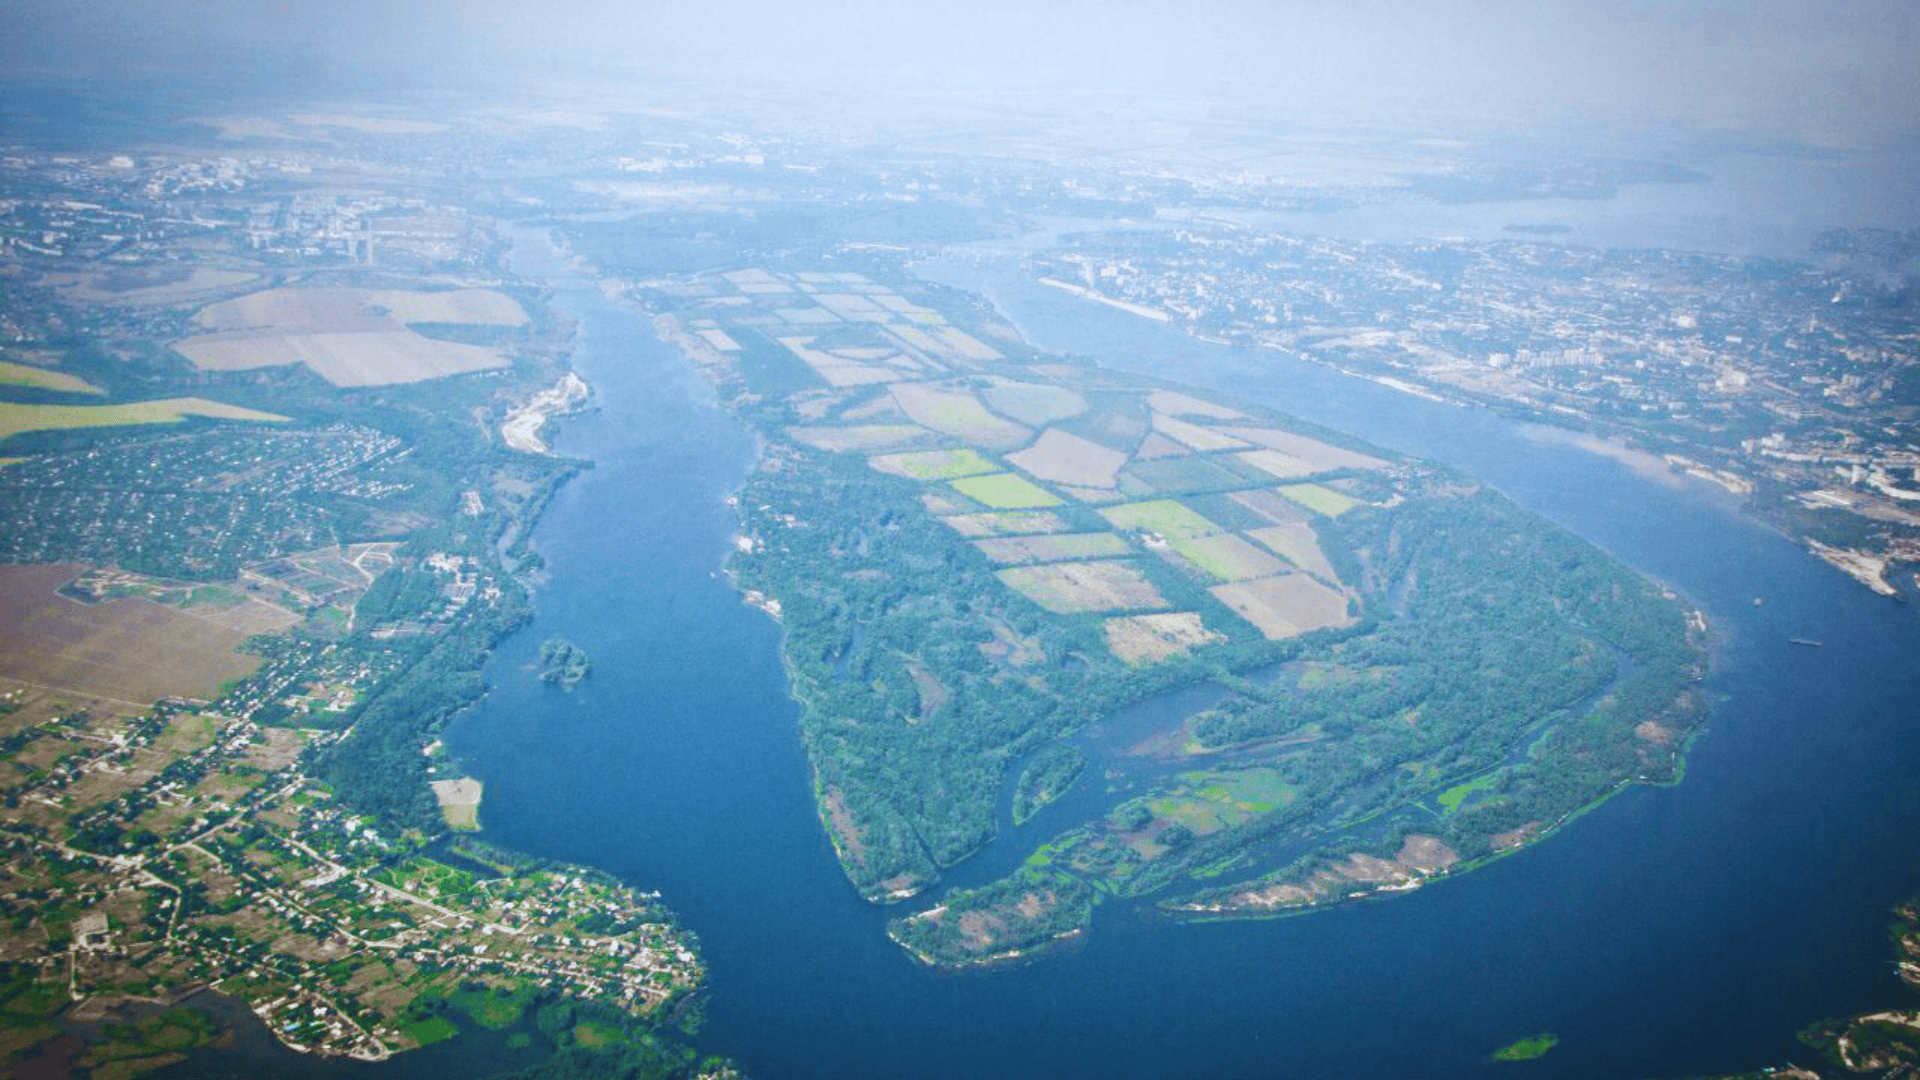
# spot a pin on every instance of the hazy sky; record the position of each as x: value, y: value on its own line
x: 1839, y: 70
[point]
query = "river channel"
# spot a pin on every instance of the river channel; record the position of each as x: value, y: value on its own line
x: 1674, y: 932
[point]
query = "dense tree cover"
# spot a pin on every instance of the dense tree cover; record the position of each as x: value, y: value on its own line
x: 563, y: 663
x: 397, y: 595
x: 1507, y: 675
x: 1530, y: 676
x: 378, y: 768
x: 647, y: 1058
x: 870, y: 585
x: 1047, y: 777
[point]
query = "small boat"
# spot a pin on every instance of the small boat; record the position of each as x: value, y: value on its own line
x: 1804, y: 641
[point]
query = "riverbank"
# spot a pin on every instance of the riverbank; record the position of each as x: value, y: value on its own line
x: 521, y: 430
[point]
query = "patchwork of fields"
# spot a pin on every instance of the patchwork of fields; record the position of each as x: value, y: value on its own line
x: 351, y: 337
x: 1079, y: 488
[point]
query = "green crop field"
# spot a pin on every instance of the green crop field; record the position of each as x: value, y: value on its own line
x: 1226, y: 557
x: 1163, y: 516
x: 12, y: 374
x: 934, y: 464
x: 1195, y: 473
x: 1320, y: 499
x: 1005, y: 491
x: 16, y: 418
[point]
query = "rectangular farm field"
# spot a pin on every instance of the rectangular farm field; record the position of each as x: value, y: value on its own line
x: 1163, y: 516
x: 1033, y: 549
x: 1005, y: 491
x: 1077, y: 587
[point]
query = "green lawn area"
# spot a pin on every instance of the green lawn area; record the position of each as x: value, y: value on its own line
x: 431, y: 1030
x: 491, y: 1009
x: 595, y: 1033
x: 424, y: 871
x: 1005, y: 491
x: 1451, y: 798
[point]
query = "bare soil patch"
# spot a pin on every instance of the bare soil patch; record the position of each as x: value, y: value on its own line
x: 960, y: 414
x: 1009, y: 522
x: 1075, y: 587
x: 350, y: 337
x: 1070, y: 459
x: 128, y: 649
x: 1285, y: 606
x: 1178, y: 404
x: 1156, y: 446
x: 1319, y: 455
x: 1035, y: 403
x: 860, y: 436
x: 1148, y: 639
x: 370, y: 358
x: 1033, y: 549
x: 1271, y: 505
x: 840, y: 821
x: 1195, y: 436
x: 1426, y: 853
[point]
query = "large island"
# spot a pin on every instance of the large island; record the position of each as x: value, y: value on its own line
x: 980, y: 554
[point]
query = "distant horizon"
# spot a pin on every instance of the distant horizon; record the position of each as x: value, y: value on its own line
x: 1827, y: 75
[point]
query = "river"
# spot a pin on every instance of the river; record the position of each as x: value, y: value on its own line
x: 1675, y: 932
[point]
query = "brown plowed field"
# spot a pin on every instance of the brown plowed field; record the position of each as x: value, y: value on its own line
x: 128, y: 649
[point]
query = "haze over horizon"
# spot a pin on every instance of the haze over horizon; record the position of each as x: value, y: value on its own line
x: 1839, y: 75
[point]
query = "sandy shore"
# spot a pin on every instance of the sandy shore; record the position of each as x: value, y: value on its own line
x: 521, y: 430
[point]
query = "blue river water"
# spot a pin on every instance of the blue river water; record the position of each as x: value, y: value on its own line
x: 1673, y: 932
